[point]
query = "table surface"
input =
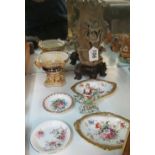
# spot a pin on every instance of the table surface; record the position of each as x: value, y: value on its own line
x: 118, y: 103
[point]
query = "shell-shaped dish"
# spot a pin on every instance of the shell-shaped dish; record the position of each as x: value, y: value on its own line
x: 94, y: 86
x: 103, y: 129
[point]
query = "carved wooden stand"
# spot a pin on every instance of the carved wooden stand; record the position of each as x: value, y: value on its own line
x: 92, y: 72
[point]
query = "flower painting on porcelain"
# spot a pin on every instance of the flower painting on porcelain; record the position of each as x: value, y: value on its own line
x: 58, y: 105
x: 57, y: 102
x: 104, y: 130
x: 87, y: 105
x: 50, y: 138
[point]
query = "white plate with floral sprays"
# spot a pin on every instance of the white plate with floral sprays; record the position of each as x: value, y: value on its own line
x: 50, y: 136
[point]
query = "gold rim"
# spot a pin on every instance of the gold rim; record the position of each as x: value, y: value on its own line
x: 44, y: 49
x: 44, y: 106
x: 59, y: 49
x: 113, y: 89
x: 103, y: 146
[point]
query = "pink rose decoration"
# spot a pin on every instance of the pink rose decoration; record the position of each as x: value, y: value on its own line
x: 122, y: 124
x: 60, y: 104
x: 40, y: 134
x: 108, y: 135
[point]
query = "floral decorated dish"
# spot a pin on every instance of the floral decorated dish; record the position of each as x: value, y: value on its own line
x: 58, y: 102
x: 50, y: 136
x: 51, y: 45
x: 103, y: 129
x: 94, y: 88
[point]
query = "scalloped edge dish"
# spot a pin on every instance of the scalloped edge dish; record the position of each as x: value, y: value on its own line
x: 59, y: 102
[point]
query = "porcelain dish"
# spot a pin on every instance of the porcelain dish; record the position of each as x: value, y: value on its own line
x: 94, y: 88
x: 58, y: 102
x: 50, y: 136
x: 103, y: 129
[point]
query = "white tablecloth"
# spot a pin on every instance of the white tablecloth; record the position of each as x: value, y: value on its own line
x: 118, y: 103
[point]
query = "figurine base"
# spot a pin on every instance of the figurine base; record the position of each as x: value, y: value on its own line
x: 87, y: 106
x: 88, y: 109
x: 91, y: 71
x: 56, y: 79
x: 48, y: 84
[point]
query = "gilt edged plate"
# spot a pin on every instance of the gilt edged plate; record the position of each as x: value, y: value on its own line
x: 103, y: 129
x: 58, y: 102
x: 94, y: 87
x: 50, y: 136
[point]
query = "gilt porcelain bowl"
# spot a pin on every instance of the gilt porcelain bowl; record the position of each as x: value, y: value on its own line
x: 48, y: 59
x: 51, y: 45
x: 53, y: 64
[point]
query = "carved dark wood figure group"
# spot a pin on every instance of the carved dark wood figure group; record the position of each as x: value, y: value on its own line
x: 91, y: 29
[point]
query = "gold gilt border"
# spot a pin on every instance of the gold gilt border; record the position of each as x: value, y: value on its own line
x: 44, y: 49
x: 55, y: 111
x: 103, y: 146
x: 113, y: 84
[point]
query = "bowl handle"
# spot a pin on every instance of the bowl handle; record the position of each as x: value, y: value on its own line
x: 38, y: 63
